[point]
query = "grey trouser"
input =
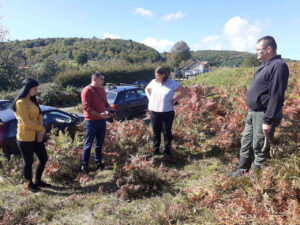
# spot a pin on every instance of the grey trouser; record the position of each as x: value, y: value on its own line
x: 253, y: 140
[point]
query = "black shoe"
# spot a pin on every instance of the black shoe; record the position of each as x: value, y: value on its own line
x: 100, y: 166
x: 42, y: 184
x: 33, y: 187
x: 167, y: 153
x: 84, y: 170
x: 237, y: 173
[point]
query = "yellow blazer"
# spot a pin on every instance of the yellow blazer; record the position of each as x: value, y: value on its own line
x: 29, y: 120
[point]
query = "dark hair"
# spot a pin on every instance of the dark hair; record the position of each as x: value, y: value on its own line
x: 162, y: 70
x: 96, y: 75
x: 269, y: 41
x: 28, y: 83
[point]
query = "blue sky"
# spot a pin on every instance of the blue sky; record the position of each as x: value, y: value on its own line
x: 214, y: 24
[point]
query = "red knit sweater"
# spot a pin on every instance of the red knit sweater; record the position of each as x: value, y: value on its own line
x: 91, y: 102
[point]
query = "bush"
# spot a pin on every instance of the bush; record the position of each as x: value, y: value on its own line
x: 81, y: 76
x: 55, y: 95
x: 124, y: 139
x: 64, y: 156
x: 138, y: 178
x: 8, y: 95
x: 11, y: 169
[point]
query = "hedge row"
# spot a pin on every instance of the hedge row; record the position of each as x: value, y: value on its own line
x: 82, y: 76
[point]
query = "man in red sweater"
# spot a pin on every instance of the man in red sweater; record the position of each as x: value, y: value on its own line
x: 94, y: 104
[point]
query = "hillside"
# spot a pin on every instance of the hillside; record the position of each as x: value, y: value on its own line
x: 221, y: 58
x: 189, y: 188
x: 97, y: 49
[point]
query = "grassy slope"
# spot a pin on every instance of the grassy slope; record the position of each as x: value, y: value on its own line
x: 95, y: 201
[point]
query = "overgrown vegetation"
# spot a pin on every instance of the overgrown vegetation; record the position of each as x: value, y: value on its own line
x: 190, y: 187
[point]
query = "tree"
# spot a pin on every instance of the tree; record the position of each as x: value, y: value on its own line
x: 12, y: 70
x: 81, y: 58
x: 251, y: 61
x: 178, y: 53
x: 49, y: 69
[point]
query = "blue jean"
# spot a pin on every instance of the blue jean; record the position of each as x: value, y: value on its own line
x: 94, y: 131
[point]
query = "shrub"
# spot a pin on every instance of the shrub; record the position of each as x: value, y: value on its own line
x: 64, y: 156
x: 81, y: 76
x: 124, y: 139
x: 55, y: 95
x: 138, y: 178
x: 11, y: 169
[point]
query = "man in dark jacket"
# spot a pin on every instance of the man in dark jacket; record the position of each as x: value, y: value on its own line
x: 265, y: 99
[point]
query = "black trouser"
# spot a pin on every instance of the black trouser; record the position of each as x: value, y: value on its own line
x: 28, y: 149
x: 162, y: 121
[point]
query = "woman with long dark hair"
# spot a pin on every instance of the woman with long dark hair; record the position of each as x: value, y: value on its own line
x: 30, y: 133
x: 160, y: 92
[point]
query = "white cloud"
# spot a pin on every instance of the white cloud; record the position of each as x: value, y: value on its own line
x: 211, y: 38
x: 143, y: 12
x: 241, y: 34
x: 111, y: 36
x: 211, y: 42
x: 160, y: 45
x: 173, y: 16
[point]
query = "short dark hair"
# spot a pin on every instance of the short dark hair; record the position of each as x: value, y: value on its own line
x: 162, y: 70
x: 97, y: 74
x: 269, y: 41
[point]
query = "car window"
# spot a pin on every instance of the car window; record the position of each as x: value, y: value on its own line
x: 111, y: 96
x: 141, y: 93
x: 120, y: 97
x: 56, y: 117
x: 5, y: 105
x: 130, y: 95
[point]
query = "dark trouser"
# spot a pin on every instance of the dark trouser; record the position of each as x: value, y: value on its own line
x: 253, y: 140
x: 27, y: 150
x: 162, y: 121
x: 94, y: 130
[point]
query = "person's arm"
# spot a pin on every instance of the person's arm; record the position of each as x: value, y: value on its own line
x: 148, y: 90
x: 182, y: 92
x: 106, y: 104
x: 278, y: 84
x: 40, y: 134
x: 23, y: 115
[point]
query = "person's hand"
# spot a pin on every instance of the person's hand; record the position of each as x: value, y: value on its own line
x: 174, y: 101
x: 40, y: 136
x: 104, y: 116
x: 266, y: 129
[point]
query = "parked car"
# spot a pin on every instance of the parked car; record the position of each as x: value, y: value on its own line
x: 5, y: 104
x: 52, y: 117
x: 141, y: 83
x: 126, y: 100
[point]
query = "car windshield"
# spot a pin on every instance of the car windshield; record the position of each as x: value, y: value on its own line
x: 111, y: 96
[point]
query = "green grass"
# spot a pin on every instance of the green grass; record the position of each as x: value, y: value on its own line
x: 224, y: 78
x: 95, y: 202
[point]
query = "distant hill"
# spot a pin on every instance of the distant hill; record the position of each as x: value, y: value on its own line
x: 38, y: 50
x: 221, y: 58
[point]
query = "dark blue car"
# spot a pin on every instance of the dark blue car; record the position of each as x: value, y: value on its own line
x: 126, y: 100
x: 52, y: 117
